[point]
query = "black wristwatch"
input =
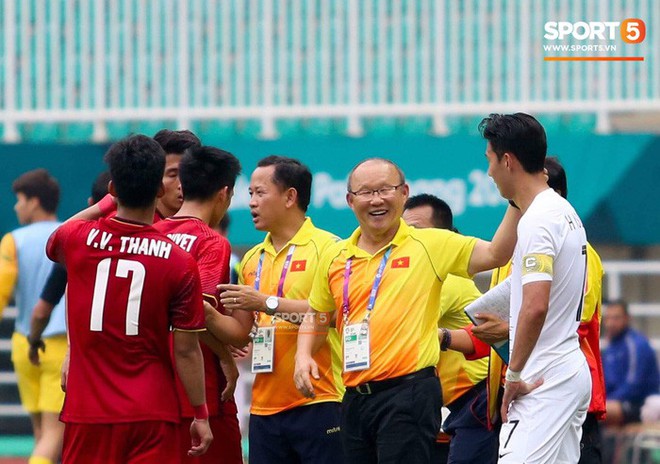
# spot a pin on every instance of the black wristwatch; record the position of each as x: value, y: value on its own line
x: 446, y: 339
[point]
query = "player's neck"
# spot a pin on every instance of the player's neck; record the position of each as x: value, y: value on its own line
x: 164, y: 210
x: 201, y: 211
x: 142, y: 215
x: 285, y: 231
x: 528, y: 190
x: 40, y: 216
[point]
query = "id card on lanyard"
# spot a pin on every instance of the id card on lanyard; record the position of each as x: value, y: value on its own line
x: 263, y: 342
x: 356, y: 342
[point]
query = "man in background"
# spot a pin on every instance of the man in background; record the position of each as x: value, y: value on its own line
x: 631, y: 368
x: 24, y: 269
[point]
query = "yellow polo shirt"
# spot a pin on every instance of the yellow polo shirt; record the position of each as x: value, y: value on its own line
x: 457, y: 374
x: 496, y: 364
x: 404, y: 320
x: 275, y: 391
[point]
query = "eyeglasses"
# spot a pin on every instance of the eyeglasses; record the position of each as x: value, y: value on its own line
x: 383, y: 192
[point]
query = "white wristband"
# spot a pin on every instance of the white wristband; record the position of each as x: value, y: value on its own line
x: 512, y: 376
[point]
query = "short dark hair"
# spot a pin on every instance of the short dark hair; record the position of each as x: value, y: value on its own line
x: 618, y: 302
x: 203, y: 171
x: 291, y: 173
x: 556, y: 176
x: 402, y: 176
x: 39, y: 184
x: 100, y: 186
x: 519, y: 134
x: 137, y: 164
x: 442, y: 216
x: 176, y: 142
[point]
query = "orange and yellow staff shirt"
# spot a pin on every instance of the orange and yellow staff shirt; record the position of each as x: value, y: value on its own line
x: 275, y: 391
x: 589, y: 331
x: 496, y: 364
x: 404, y: 321
x: 458, y: 375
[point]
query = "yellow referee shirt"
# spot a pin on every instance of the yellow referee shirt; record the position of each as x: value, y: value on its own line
x: 275, y: 391
x: 404, y: 320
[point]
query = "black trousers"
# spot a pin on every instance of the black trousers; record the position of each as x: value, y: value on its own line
x: 471, y: 441
x: 302, y: 435
x: 590, y: 447
x: 397, y: 425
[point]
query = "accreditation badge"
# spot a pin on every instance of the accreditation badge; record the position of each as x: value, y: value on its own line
x: 356, y: 347
x: 263, y: 350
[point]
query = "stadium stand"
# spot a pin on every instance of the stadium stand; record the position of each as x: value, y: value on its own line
x: 266, y: 68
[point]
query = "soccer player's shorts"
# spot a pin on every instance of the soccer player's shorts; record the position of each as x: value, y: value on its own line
x: 145, y: 442
x: 545, y: 426
x: 226, y: 444
x: 39, y: 386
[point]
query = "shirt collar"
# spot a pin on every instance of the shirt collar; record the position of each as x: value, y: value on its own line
x: 352, y: 248
x: 302, y: 237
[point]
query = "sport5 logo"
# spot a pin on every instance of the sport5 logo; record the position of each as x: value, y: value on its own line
x: 631, y: 30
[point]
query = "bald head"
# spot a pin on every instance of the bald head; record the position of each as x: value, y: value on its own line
x: 373, y: 163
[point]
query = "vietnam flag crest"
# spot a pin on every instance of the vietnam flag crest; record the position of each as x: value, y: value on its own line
x: 299, y: 265
x: 401, y: 262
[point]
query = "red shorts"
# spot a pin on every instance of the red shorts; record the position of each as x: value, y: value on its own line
x: 143, y: 442
x: 225, y: 447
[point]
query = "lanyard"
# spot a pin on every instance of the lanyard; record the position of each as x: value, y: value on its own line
x: 374, y: 289
x: 285, y: 269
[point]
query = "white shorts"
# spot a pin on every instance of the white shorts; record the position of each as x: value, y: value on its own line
x: 545, y: 426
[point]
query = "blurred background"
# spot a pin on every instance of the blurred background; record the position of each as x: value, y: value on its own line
x: 334, y: 81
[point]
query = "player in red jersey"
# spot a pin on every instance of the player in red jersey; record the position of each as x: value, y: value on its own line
x: 174, y: 143
x: 208, y: 176
x: 127, y: 285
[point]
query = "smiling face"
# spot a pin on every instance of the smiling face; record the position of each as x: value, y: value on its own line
x: 268, y: 202
x: 378, y: 214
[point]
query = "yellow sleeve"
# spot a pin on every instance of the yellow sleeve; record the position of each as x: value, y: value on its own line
x: 593, y: 295
x: 457, y: 293
x: 8, y: 270
x: 450, y: 252
x: 500, y: 274
x: 320, y: 296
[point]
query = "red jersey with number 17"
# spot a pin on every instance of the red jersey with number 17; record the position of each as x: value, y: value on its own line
x: 128, y: 284
x: 211, y: 251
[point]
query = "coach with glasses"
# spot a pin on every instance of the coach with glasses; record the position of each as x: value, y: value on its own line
x: 384, y: 281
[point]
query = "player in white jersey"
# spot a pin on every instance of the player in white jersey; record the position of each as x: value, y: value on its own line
x: 548, y: 385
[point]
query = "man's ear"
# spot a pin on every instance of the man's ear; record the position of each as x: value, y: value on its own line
x: 291, y: 197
